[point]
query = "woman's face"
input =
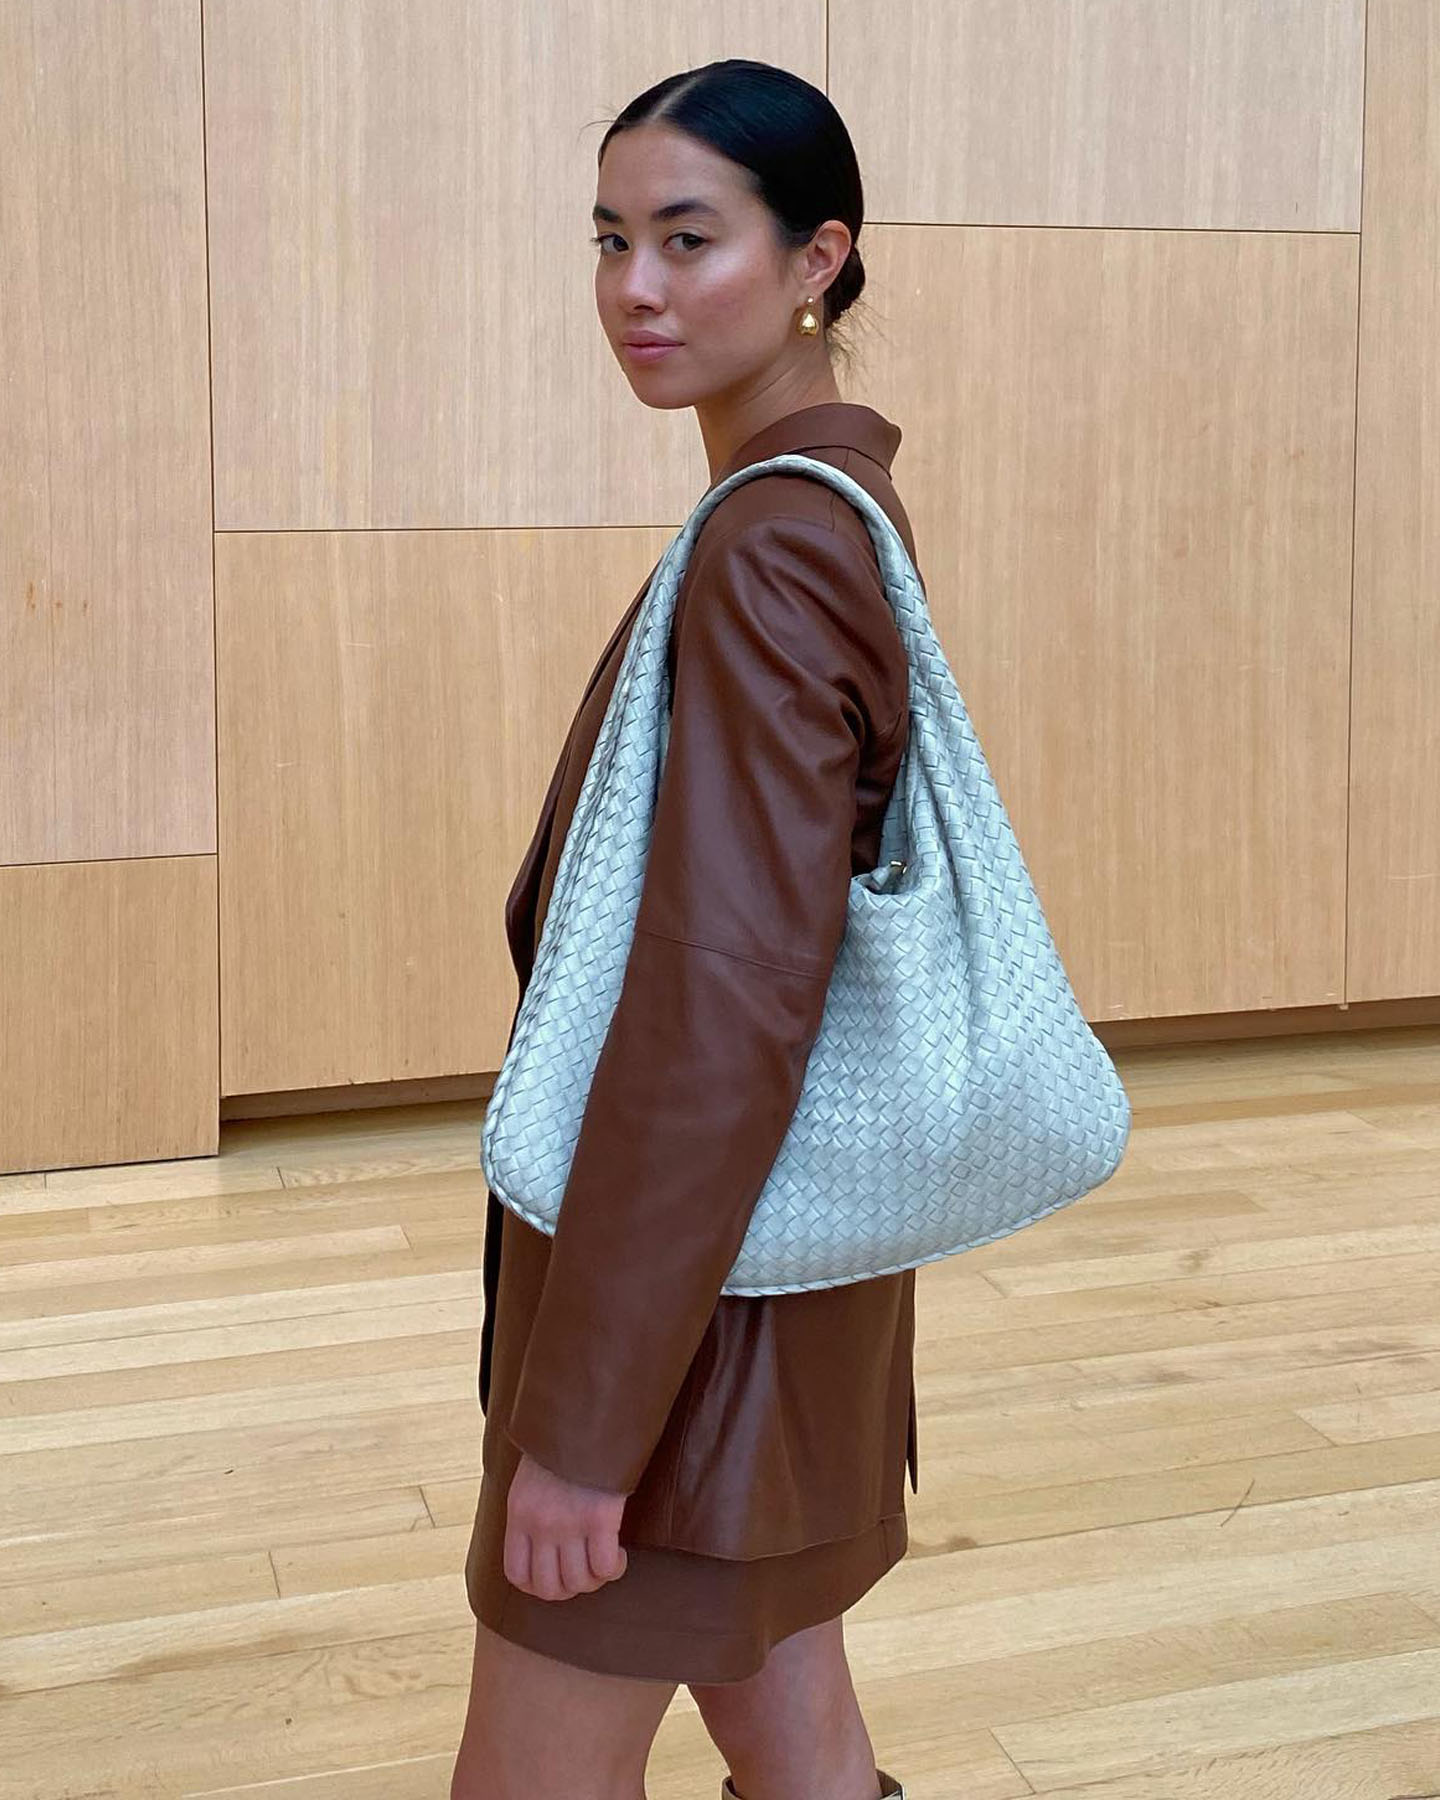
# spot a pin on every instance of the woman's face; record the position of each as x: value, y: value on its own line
x: 711, y: 277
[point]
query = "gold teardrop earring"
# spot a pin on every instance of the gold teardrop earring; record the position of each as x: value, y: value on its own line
x: 808, y: 324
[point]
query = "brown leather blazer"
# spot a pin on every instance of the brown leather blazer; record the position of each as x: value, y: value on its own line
x: 737, y: 1425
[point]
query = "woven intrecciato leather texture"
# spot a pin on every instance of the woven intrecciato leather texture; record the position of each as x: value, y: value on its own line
x: 955, y: 1091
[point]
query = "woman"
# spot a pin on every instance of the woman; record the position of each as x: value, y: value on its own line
x: 680, y: 1484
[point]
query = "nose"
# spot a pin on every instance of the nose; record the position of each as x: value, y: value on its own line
x: 638, y: 284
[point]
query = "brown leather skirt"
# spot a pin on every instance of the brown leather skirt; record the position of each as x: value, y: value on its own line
x: 675, y: 1615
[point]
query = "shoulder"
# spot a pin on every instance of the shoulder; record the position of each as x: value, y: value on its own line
x: 790, y: 512
x: 802, y: 497
x: 785, y: 567
x: 794, y: 501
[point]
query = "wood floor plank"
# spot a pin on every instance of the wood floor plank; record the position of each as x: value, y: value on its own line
x: 1177, y: 1535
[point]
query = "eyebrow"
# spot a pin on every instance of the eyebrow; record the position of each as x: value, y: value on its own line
x: 673, y: 211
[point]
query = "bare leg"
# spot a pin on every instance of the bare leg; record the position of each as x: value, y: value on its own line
x: 794, y: 1730
x: 538, y: 1729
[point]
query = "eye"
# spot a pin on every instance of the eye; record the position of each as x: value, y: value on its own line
x: 693, y: 236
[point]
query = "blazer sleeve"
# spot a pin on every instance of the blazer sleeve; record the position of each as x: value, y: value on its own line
x: 780, y: 659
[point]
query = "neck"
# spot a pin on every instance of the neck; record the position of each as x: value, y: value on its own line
x: 728, y: 420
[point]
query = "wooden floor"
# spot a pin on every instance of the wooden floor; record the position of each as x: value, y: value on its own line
x: 1177, y: 1535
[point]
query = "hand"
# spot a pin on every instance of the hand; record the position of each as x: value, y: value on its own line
x: 560, y: 1538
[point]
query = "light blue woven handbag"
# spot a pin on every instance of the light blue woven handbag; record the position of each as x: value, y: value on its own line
x: 955, y: 1091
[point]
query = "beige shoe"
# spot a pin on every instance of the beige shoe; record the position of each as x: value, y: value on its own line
x: 890, y: 1788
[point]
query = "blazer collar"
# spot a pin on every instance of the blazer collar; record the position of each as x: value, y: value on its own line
x: 837, y: 424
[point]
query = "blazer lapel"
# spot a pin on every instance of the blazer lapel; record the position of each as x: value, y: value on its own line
x: 829, y: 423
x: 524, y: 892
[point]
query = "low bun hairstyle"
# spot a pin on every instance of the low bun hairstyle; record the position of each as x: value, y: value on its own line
x: 790, y: 139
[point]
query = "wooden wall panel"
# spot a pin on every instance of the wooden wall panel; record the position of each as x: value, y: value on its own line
x: 391, y: 706
x: 1167, y: 114
x: 106, y: 656
x: 107, y: 1012
x: 1128, y: 457
x: 404, y: 319
x: 1129, y: 453
x: 1395, y: 746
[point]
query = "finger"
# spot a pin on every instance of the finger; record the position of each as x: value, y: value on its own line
x: 545, y: 1581
x: 606, y: 1556
x: 516, y: 1557
x: 572, y: 1569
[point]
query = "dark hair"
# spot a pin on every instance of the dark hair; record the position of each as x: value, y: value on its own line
x: 787, y: 135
